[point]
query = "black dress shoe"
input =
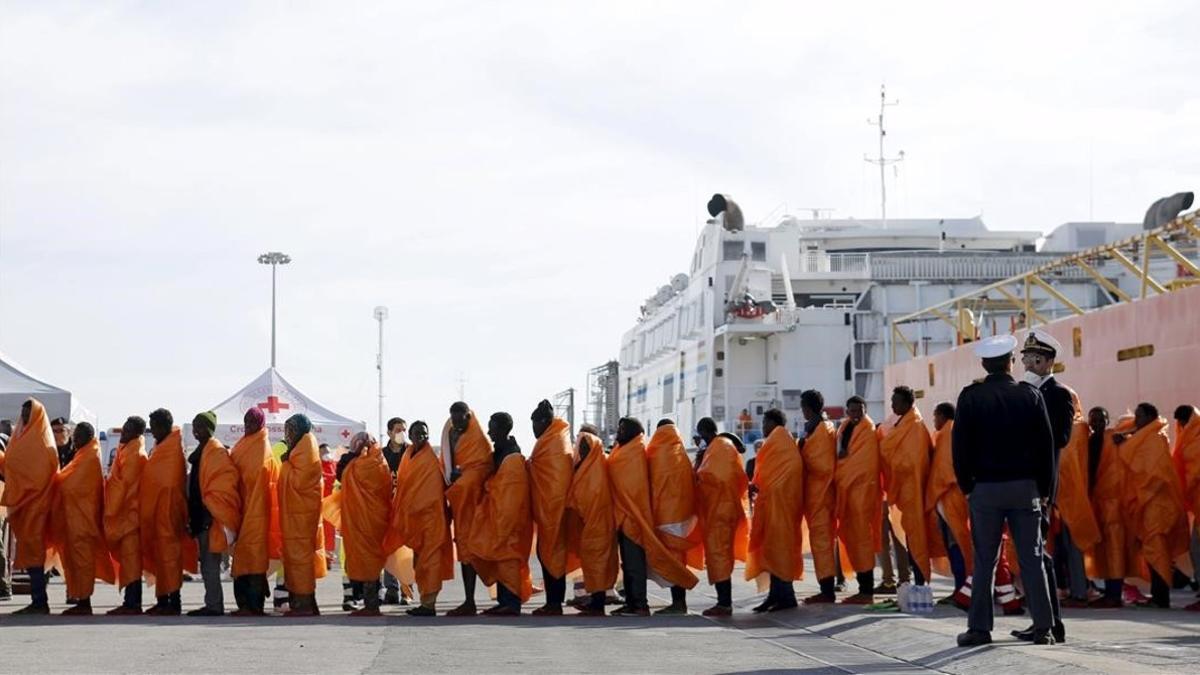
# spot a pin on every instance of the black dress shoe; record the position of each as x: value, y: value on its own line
x: 1026, y: 634
x: 1059, y: 631
x: 974, y: 638
x: 1042, y: 637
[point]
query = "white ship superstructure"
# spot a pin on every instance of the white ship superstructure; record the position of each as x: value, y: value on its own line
x: 767, y: 311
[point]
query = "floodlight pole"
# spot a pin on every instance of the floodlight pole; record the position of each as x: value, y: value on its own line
x: 381, y: 313
x: 274, y: 259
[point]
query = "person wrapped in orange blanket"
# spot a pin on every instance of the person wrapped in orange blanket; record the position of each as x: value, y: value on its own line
x: 1114, y: 557
x: 721, y: 487
x: 466, y: 464
x: 1187, y: 463
x: 300, y: 480
x: 77, y: 523
x: 1160, y: 521
x: 642, y: 552
x: 419, y: 518
x: 214, y: 509
x: 163, y: 514
x: 591, y: 529
x: 947, y: 511
x: 501, y: 550
x: 856, y: 484
x: 259, y: 540
x: 905, y: 448
x: 549, y: 482
x: 122, y: 522
x: 673, y: 503
x: 776, y: 543
x: 30, y: 463
x: 362, y: 516
x: 818, y: 449
x: 1077, y: 531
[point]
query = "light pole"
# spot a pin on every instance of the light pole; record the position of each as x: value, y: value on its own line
x: 273, y: 258
x: 381, y: 313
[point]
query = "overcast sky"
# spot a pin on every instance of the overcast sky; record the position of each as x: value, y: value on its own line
x: 511, y: 179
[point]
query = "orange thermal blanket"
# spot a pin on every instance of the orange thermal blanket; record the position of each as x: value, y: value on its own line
x: 629, y: 479
x: 856, y: 482
x: 29, y: 467
x: 549, y: 481
x: 721, y: 486
x: 502, y: 548
x: 776, y: 544
x: 77, y: 523
x: 591, y: 529
x: 300, y: 517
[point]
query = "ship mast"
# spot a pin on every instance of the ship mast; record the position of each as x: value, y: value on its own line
x: 883, y: 160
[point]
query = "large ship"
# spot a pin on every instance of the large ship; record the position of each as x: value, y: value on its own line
x: 767, y: 310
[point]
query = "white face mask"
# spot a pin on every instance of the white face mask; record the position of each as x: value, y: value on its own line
x: 400, y: 437
x: 1033, y: 378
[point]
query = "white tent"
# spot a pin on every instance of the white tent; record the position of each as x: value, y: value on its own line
x: 278, y: 400
x: 17, y: 386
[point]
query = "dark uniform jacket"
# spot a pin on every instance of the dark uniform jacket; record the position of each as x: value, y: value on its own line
x: 1003, y: 433
x: 1061, y: 409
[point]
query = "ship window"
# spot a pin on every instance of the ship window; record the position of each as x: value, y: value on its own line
x: 731, y: 250
x: 758, y: 250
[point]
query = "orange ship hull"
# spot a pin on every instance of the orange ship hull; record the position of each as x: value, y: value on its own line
x: 1116, y: 357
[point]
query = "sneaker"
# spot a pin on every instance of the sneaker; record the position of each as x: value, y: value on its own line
x: 884, y: 589
x: 626, y: 610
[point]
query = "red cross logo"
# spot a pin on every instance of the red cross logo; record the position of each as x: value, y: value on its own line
x: 345, y: 433
x: 273, y: 405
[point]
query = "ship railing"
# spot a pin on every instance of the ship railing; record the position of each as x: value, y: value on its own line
x: 820, y: 262
x: 931, y: 266
x: 926, y: 265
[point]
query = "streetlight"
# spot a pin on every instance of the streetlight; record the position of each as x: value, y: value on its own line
x: 381, y: 313
x: 273, y: 258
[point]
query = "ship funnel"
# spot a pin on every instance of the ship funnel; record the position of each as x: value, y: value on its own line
x: 1167, y: 209
x: 732, y: 219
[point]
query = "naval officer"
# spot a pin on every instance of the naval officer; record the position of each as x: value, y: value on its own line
x: 1038, y: 355
x: 1003, y: 449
